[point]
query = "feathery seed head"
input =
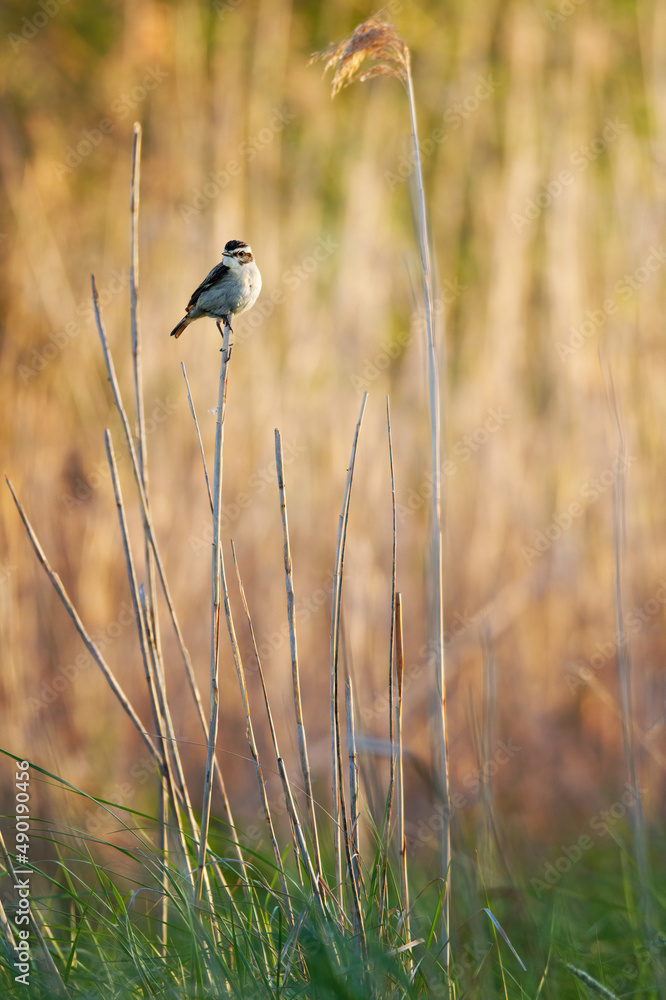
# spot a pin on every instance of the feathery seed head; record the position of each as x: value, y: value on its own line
x: 374, y: 39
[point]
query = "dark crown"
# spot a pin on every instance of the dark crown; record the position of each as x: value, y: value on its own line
x: 234, y: 245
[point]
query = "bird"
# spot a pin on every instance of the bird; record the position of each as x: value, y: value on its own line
x: 228, y: 290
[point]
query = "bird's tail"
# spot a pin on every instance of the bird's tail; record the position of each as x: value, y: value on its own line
x: 176, y: 332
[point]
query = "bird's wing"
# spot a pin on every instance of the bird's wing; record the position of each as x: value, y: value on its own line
x: 215, y: 275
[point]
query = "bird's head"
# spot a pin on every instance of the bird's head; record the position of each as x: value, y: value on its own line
x: 236, y: 253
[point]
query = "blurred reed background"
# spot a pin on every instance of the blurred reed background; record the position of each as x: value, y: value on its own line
x: 543, y: 130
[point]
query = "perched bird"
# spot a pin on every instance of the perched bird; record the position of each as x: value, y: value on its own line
x: 231, y: 287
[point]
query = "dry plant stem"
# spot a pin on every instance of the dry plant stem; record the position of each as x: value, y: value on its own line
x: 339, y: 810
x: 89, y: 644
x: 46, y: 959
x: 391, y: 707
x: 271, y: 723
x: 353, y: 783
x: 148, y: 527
x: 216, y: 600
x: 402, y: 839
x: 164, y: 851
x: 196, y: 424
x: 134, y: 301
x: 142, y: 453
x: 295, y: 677
x: 437, y: 562
x: 135, y: 187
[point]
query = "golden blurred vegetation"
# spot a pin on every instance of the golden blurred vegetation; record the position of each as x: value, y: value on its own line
x: 543, y: 134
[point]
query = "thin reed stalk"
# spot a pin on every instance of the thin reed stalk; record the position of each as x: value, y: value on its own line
x: 437, y: 554
x: 340, y: 824
x: 163, y: 846
x: 377, y: 40
x: 353, y: 786
x: 391, y: 706
x: 295, y: 676
x: 134, y: 304
x: 217, y: 771
x: 137, y: 367
x: 216, y: 600
x: 402, y: 839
